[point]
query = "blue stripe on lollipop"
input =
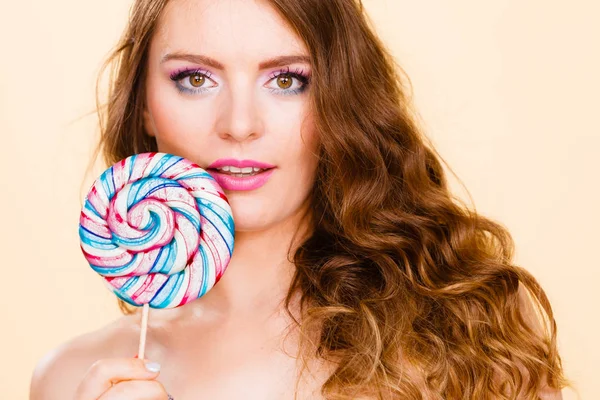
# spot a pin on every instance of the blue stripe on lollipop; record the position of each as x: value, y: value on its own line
x: 213, y: 213
x: 93, y: 240
x: 91, y: 208
x: 205, y: 266
x: 163, y: 165
x: 166, y: 295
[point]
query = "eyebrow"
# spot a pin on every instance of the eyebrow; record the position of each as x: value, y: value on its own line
x: 211, y: 62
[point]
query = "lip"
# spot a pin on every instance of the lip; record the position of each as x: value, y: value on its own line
x: 228, y: 182
x: 222, y: 162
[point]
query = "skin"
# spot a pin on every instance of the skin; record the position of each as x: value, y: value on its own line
x: 235, y: 342
x: 231, y: 343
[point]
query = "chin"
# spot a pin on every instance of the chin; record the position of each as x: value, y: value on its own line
x: 257, y: 212
x: 249, y: 217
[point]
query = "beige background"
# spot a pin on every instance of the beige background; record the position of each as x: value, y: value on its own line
x: 508, y: 91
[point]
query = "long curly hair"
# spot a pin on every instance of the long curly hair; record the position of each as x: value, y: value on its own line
x: 409, y: 292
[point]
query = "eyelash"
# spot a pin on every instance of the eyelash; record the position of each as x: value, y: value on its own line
x: 298, y: 74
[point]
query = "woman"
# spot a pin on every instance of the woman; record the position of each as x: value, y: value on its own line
x: 355, y: 274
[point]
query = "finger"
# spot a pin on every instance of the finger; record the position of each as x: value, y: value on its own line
x: 106, y: 372
x: 136, y: 390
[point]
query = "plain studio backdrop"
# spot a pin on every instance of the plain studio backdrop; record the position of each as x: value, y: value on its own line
x: 508, y: 91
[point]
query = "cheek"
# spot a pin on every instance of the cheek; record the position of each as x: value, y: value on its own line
x: 303, y: 150
x: 179, y: 124
x: 309, y: 145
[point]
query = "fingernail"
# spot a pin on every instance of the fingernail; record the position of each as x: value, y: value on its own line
x: 153, y: 366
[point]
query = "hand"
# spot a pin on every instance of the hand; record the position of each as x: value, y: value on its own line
x: 121, y: 379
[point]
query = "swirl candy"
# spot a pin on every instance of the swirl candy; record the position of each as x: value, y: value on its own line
x: 158, y: 228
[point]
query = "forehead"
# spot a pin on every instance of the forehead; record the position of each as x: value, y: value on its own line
x: 235, y: 30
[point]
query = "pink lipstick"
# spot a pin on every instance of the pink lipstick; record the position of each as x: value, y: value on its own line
x: 241, y: 175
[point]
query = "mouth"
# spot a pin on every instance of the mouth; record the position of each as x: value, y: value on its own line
x: 239, y: 172
x: 241, y: 179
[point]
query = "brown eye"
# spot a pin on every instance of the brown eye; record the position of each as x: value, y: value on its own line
x: 284, y: 81
x: 197, y: 80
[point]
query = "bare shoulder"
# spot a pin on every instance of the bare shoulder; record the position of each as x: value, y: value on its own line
x: 59, y: 372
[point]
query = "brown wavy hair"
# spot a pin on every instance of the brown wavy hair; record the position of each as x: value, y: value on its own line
x: 412, y: 294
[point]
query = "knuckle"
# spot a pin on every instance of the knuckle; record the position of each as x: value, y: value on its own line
x: 142, y: 390
x: 135, y: 365
x: 98, y: 369
x: 157, y: 390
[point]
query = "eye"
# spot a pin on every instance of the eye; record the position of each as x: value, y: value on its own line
x: 192, y: 81
x: 284, y: 80
x: 197, y: 80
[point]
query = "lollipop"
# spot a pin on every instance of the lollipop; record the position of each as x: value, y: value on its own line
x: 158, y: 229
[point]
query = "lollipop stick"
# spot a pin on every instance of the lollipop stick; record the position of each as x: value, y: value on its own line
x: 143, y: 331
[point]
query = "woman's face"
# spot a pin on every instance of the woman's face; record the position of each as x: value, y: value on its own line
x: 227, y: 82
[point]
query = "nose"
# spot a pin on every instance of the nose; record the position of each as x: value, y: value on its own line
x: 239, y: 118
